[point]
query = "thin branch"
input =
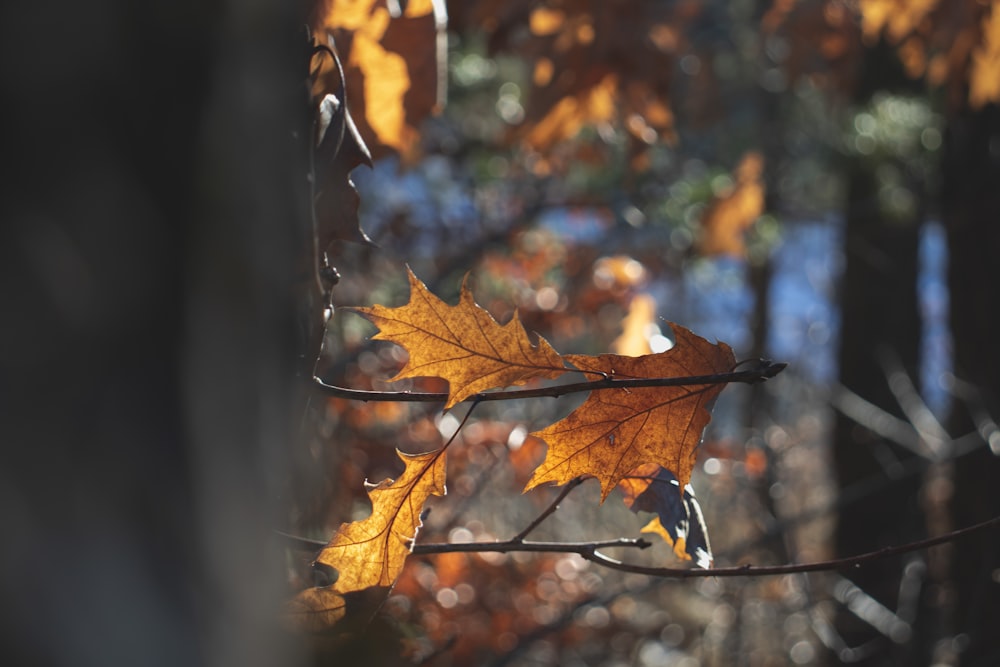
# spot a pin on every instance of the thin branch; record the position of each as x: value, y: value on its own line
x: 764, y: 370
x: 933, y: 434
x: 768, y: 570
x: 553, y: 506
x: 975, y: 402
x: 878, y: 421
x: 511, y: 546
x: 589, y: 551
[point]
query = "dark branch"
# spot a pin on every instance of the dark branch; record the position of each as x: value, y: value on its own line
x: 553, y: 506
x: 306, y: 544
x: 760, y: 571
x: 511, y: 546
x: 589, y: 551
x: 764, y: 370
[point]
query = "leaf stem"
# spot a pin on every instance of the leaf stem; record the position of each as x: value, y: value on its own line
x: 763, y: 370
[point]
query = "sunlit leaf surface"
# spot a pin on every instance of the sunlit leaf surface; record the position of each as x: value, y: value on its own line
x: 617, y: 430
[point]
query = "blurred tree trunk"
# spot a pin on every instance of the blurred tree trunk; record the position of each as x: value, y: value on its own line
x: 147, y: 352
x: 880, y: 316
x: 971, y: 215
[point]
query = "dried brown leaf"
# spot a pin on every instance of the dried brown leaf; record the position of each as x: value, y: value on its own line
x: 617, y: 430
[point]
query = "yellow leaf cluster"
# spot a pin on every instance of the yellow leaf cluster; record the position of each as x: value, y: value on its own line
x: 613, y: 433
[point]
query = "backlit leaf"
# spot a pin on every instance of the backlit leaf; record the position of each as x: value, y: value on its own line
x: 678, y: 520
x: 592, y: 63
x: 617, y: 430
x: 391, y: 65
x: 371, y: 552
x: 462, y: 344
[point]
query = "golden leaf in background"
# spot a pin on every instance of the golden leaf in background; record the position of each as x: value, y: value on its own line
x: 727, y: 219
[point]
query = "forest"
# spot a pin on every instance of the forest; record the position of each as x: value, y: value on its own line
x: 386, y: 332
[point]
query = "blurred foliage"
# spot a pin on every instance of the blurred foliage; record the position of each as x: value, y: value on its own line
x: 576, y: 171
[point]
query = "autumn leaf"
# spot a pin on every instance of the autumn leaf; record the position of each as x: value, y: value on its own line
x: 898, y: 18
x: 617, y: 430
x: 678, y: 519
x: 391, y: 63
x: 984, y: 74
x: 340, y: 149
x: 592, y: 63
x: 316, y: 609
x: 462, y: 344
x: 371, y: 552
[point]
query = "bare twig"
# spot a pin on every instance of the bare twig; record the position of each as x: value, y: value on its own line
x: 589, y: 551
x: 975, y: 402
x: 553, y: 506
x: 932, y: 433
x: 511, y: 546
x: 764, y: 370
x: 877, y: 420
x: 818, y: 566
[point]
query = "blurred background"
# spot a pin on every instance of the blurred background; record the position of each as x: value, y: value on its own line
x: 812, y: 182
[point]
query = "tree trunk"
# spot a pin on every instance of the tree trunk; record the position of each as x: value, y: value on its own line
x: 880, y: 317
x: 147, y: 352
x: 971, y: 214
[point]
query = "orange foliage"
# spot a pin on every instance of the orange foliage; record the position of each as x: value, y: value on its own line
x: 391, y: 64
x: 954, y: 44
x: 615, y: 431
x: 897, y: 18
x: 462, y: 344
x: 634, y: 340
x: 592, y: 62
x: 371, y: 552
x: 984, y: 76
x: 727, y: 219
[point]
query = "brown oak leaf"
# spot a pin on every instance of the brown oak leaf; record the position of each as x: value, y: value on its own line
x: 371, y: 552
x: 617, y: 430
x: 462, y: 344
